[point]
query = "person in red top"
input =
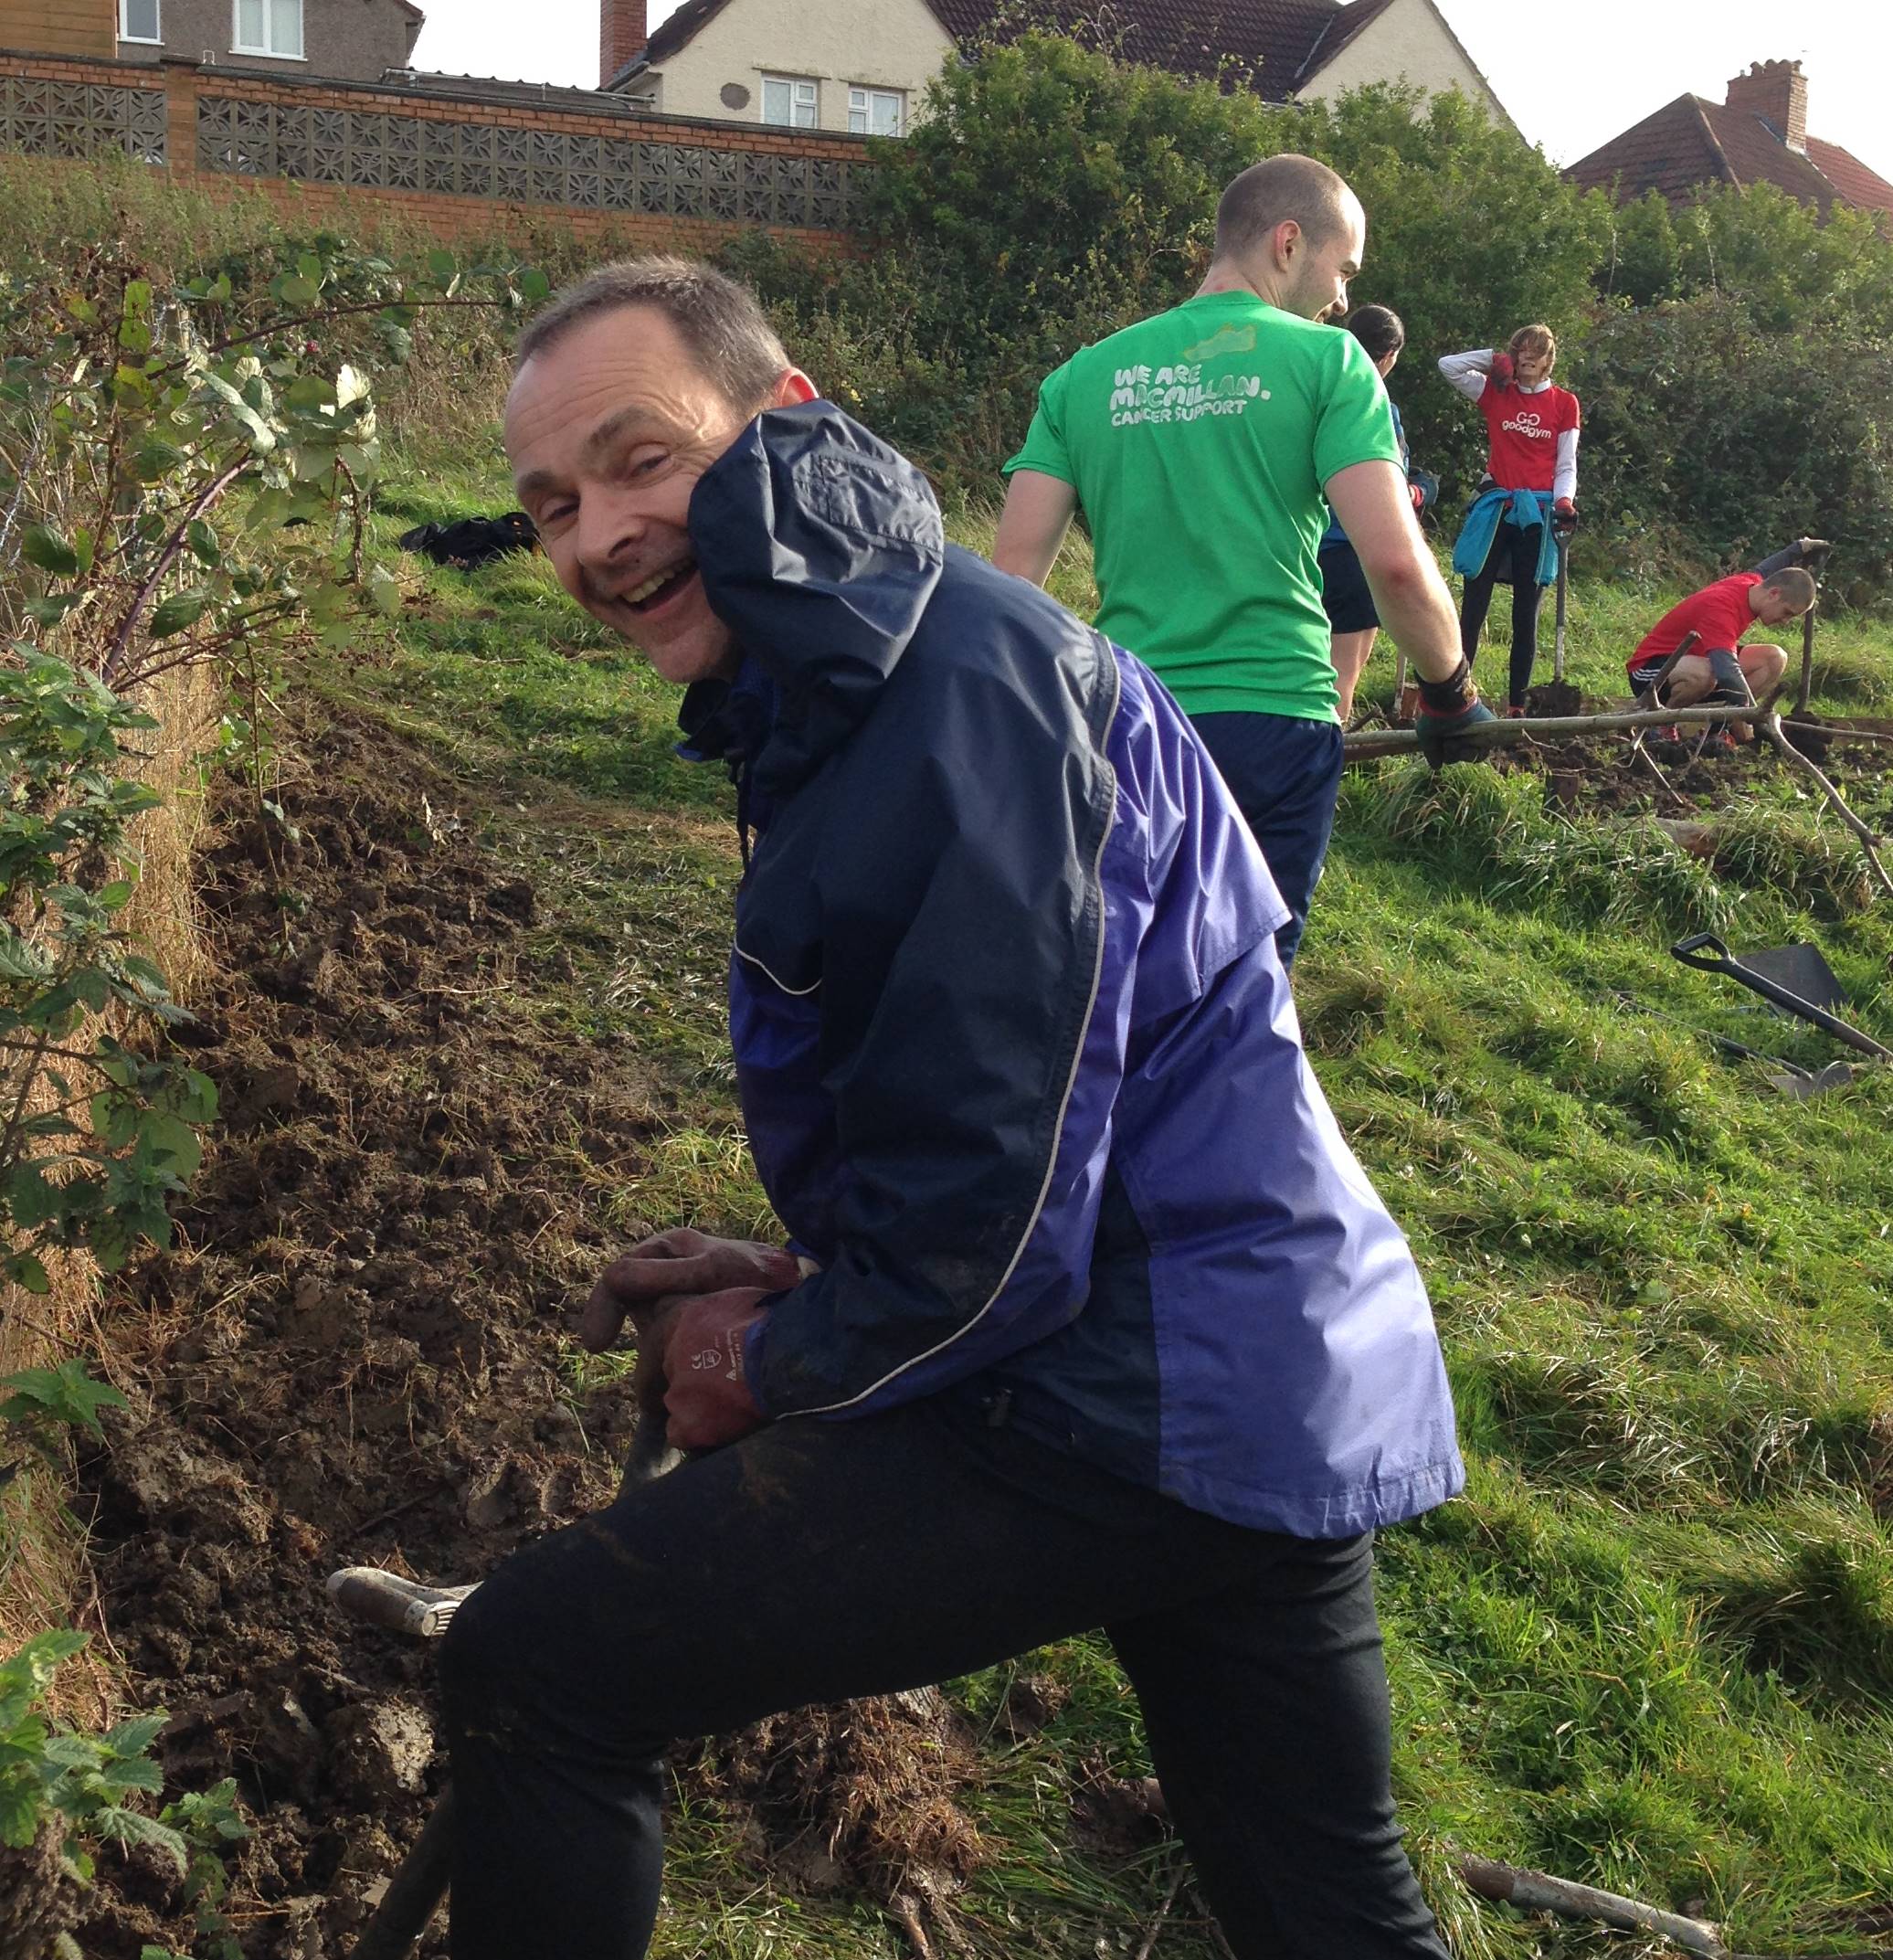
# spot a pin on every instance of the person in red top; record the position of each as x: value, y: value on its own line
x: 1526, y: 503
x: 1720, y: 668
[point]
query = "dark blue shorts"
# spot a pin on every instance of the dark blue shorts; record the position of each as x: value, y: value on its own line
x: 1343, y: 590
x: 1284, y: 773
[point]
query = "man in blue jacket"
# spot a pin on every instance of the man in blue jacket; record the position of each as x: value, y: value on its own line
x: 1086, y: 1317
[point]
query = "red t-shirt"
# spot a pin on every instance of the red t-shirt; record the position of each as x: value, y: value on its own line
x: 1523, y: 432
x: 1719, y: 616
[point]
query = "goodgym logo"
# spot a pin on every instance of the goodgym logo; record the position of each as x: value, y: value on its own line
x: 1527, y: 422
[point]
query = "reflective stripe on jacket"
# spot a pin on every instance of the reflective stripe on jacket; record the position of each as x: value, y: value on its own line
x: 1018, y: 1060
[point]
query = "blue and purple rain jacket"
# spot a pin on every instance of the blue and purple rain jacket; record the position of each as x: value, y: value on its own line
x: 1016, y: 1058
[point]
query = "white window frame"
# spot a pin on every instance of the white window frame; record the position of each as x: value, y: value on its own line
x: 238, y: 46
x: 795, y: 84
x: 860, y: 97
x: 142, y: 40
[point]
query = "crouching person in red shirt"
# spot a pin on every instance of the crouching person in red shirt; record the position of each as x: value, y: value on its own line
x: 1778, y: 590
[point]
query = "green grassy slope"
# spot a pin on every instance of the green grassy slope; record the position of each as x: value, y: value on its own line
x: 1652, y: 1647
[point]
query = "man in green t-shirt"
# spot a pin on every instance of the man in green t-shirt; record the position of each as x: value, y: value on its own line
x: 1205, y: 445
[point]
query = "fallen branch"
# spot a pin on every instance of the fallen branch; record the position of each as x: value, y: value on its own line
x: 1538, y: 1891
x: 1769, y: 727
x: 1839, y: 731
x: 1372, y: 742
x: 1147, y: 1944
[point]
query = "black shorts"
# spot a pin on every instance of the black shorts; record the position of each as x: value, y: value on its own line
x: 1644, y: 678
x: 1343, y: 590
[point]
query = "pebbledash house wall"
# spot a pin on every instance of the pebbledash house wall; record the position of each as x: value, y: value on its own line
x: 457, y: 164
x: 356, y: 41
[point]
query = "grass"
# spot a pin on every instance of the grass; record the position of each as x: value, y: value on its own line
x: 1652, y: 1647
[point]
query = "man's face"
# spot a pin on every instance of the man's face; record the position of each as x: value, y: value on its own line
x: 1776, y: 609
x: 607, y: 431
x: 1530, y: 365
x: 1323, y: 270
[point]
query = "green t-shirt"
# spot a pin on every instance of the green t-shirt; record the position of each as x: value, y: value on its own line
x: 1198, y: 442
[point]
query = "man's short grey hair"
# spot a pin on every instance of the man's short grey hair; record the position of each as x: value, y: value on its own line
x: 719, y: 321
x: 1278, y: 188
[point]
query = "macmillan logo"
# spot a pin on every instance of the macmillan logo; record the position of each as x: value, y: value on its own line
x: 1225, y: 342
x: 1142, y: 395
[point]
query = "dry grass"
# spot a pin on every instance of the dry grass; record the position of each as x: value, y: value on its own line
x: 44, y: 1577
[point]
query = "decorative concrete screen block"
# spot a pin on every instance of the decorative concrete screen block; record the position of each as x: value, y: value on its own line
x: 81, y: 119
x: 520, y: 166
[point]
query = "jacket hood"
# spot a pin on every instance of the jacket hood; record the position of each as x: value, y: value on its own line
x: 820, y: 547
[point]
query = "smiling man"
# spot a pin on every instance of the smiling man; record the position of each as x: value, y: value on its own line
x: 1083, y: 1315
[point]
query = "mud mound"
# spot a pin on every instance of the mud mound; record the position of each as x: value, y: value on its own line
x: 349, y: 1358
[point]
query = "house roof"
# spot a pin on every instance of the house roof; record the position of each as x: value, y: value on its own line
x: 1864, y: 188
x: 1690, y: 141
x: 1282, y: 43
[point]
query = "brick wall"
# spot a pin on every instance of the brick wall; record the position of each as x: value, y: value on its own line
x: 62, y: 27
x: 464, y: 164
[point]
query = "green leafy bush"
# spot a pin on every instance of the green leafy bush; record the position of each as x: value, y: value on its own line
x: 1735, y: 439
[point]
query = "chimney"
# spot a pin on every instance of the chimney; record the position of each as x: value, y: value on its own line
x: 621, y: 36
x: 1777, y: 92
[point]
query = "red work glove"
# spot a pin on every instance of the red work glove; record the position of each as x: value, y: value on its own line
x: 672, y: 1262
x: 706, y: 1396
x: 1501, y: 370
x: 1419, y: 497
x: 1564, y: 518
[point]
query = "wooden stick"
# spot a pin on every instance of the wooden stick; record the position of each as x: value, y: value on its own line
x: 1769, y: 725
x: 1149, y: 1943
x: 1538, y: 1891
x: 1372, y: 742
x: 1840, y: 731
x: 1808, y: 658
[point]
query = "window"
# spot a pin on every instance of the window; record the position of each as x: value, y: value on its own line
x: 789, y: 101
x: 877, y: 111
x: 268, y: 27
x: 137, y: 20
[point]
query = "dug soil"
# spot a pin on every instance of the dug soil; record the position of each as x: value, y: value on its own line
x: 352, y: 1357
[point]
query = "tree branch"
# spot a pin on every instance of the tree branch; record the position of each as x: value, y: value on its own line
x: 1373, y: 742
x: 1770, y: 725
x: 209, y: 495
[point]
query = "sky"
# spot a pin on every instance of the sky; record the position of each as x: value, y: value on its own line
x: 1571, y: 76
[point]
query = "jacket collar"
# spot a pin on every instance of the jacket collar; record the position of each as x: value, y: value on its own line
x: 820, y: 547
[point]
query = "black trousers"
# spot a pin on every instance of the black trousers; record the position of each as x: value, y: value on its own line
x: 814, y: 1562
x: 1284, y: 773
x: 1514, y: 556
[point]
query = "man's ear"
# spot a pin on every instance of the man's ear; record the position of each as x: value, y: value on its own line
x: 794, y: 388
x: 1286, y: 240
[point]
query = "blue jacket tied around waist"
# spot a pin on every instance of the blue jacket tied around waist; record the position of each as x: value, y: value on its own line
x: 1017, y: 1061
x: 1493, y: 507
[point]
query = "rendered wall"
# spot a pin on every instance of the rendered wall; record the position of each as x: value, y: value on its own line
x: 1408, y: 42
x: 882, y: 44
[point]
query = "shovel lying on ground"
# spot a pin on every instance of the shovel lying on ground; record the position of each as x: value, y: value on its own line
x: 1764, y: 972
x: 1789, y: 1077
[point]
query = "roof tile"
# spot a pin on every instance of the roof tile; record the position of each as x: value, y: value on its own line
x: 1689, y: 142
x: 1275, y: 40
x: 1864, y: 188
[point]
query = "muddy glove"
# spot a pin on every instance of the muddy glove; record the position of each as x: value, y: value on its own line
x: 1564, y: 518
x: 706, y: 1393
x: 1447, y: 709
x: 678, y: 1262
x: 1501, y: 370
x: 1813, y: 550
